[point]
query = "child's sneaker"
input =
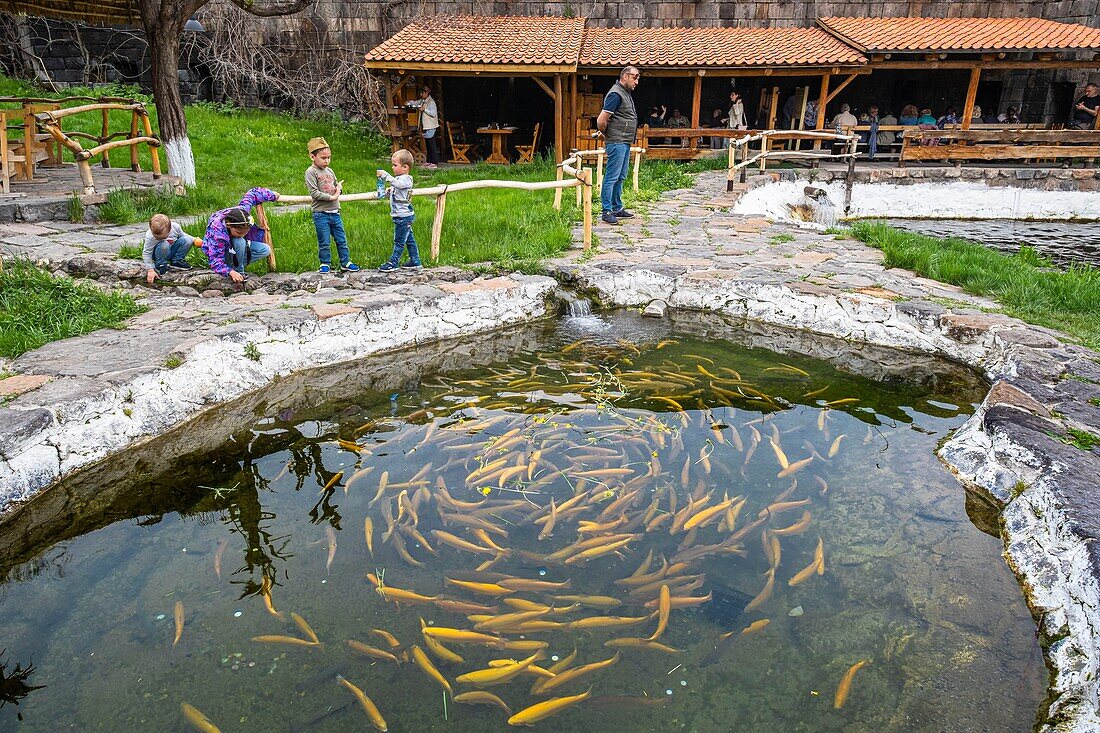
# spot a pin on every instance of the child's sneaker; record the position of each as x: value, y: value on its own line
x: 324, y: 269
x: 387, y: 267
x: 411, y: 266
x: 181, y: 265
x: 350, y: 267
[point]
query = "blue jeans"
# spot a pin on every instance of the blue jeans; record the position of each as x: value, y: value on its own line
x: 403, y: 239
x: 614, y: 173
x: 244, y: 251
x: 329, y: 224
x: 165, y: 252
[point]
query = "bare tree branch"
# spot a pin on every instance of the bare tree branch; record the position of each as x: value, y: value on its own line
x: 271, y: 11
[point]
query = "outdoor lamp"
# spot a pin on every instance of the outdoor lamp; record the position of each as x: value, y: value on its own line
x: 193, y: 25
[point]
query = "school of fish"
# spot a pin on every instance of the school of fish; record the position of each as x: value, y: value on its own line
x: 535, y: 494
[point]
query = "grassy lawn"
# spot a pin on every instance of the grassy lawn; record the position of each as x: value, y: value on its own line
x: 1024, y: 285
x: 237, y: 149
x: 36, y: 308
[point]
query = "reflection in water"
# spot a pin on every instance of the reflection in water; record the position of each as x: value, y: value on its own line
x: 14, y: 682
x: 1062, y: 242
x: 735, y: 527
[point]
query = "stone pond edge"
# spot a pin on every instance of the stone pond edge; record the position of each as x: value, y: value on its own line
x: 54, y: 439
x: 1008, y: 450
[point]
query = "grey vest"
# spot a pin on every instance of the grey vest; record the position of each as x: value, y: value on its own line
x: 623, y: 125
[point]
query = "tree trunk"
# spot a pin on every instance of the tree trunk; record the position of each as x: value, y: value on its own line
x: 163, y: 23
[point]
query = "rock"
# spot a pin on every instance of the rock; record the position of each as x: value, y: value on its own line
x: 20, y: 383
x: 212, y: 293
x: 655, y: 309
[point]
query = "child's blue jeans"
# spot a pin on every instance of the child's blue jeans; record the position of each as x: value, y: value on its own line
x: 244, y: 251
x: 329, y: 224
x: 403, y: 239
x: 165, y: 252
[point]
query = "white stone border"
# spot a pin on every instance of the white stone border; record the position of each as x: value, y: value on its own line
x: 216, y: 370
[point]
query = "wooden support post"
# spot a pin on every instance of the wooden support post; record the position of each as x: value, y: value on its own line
x: 696, y: 101
x: 135, y: 163
x: 574, y: 114
x: 559, y: 121
x: 822, y: 101
x: 5, y: 175
x: 86, y: 175
x: 840, y: 88
x: 637, y: 168
x: 261, y: 222
x: 586, y: 180
x: 731, y: 154
x: 153, y: 152
x: 971, y: 95
x: 558, y: 175
x: 599, y: 168
x: 437, y: 223
x: 580, y: 189
x: 104, y: 136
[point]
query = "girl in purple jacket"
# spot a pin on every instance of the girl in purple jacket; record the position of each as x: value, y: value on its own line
x: 232, y: 240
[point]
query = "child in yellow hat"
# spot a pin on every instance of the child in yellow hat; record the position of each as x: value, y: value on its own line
x: 325, y: 191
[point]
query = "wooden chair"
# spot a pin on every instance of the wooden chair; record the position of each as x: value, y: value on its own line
x: 461, y: 148
x: 527, y: 152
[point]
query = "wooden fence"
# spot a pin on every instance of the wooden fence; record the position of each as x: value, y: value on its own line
x: 999, y: 144
x: 570, y: 174
x: 140, y: 133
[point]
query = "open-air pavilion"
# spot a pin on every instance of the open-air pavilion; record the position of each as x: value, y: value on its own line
x: 520, y: 71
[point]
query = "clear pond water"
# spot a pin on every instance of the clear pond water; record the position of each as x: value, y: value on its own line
x: 624, y: 430
x: 1062, y: 242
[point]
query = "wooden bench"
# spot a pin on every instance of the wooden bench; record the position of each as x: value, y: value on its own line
x: 997, y: 143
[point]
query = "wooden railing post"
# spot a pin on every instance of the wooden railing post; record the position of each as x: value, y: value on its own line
x: 558, y: 173
x: 148, y: 125
x: 586, y: 181
x: 637, y: 167
x: 104, y: 137
x: 261, y: 221
x: 580, y: 191
x: 437, y: 223
x: 135, y: 163
x: 599, y: 166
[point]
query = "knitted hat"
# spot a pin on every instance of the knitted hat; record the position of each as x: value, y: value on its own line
x: 317, y: 143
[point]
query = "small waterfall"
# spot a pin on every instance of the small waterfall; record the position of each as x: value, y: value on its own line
x: 815, y: 207
x: 576, y: 306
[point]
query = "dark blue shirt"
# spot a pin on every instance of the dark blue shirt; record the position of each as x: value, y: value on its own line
x: 612, y: 101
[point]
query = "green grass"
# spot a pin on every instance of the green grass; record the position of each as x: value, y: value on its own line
x: 1066, y: 300
x: 1080, y: 439
x: 36, y: 308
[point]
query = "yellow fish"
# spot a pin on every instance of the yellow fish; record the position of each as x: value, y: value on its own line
x: 606, y: 622
x: 845, y: 685
x: 591, y: 601
x: 763, y: 596
x: 461, y: 636
x: 806, y: 572
x: 365, y: 702
x: 795, y: 467
x: 569, y: 675
x: 387, y: 636
x: 498, y: 675
x: 198, y: 720
x: 177, y: 612
x: 480, y: 697
x: 755, y: 626
x: 369, y: 651
x: 304, y: 627
x: 488, y: 589
x: 368, y: 530
x: 795, y: 529
x: 333, y: 481
x: 779, y: 454
x: 429, y: 669
x: 664, y: 606
x: 543, y: 710
x: 288, y: 640
x: 835, y: 447
x: 635, y: 643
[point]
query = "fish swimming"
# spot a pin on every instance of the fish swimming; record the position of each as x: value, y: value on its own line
x: 845, y: 685
x: 543, y: 710
x: 177, y: 614
x: 365, y: 702
x: 198, y: 719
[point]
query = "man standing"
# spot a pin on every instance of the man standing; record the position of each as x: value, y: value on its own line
x: 1084, y: 112
x: 618, y: 121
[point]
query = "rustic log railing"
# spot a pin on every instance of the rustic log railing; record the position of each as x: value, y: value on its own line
x: 140, y: 133
x: 600, y: 154
x: 578, y: 177
x: 847, y: 151
x: 690, y: 141
x: 999, y: 144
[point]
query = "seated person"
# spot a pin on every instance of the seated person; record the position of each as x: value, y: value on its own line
x: 845, y: 118
x: 908, y: 115
x: 656, y: 118
x: 232, y: 240
x: 678, y: 120
x: 926, y: 118
x: 1011, y: 117
x: 887, y: 137
x: 950, y: 117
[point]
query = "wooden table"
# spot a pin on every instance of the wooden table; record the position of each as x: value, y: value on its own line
x: 498, y: 135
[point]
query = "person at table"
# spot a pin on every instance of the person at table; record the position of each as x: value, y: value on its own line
x: 908, y: 115
x: 717, y: 120
x: 926, y: 119
x: 656, y: 118
x: 429, y: 124
x: 887, y: 137
x: 679, y: 121
x: 1084, y: 112
x: 845, y: 118
x: 1011, y: 117
x: 618, y: 122
x: 949, y: 119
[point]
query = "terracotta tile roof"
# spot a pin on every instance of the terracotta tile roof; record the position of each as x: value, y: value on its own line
x: 961, y: 34
x: 714, y: 47
x: 473, y: 39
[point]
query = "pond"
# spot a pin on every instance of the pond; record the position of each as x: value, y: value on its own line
x: 739, y: 528
x: 1062, y: 242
